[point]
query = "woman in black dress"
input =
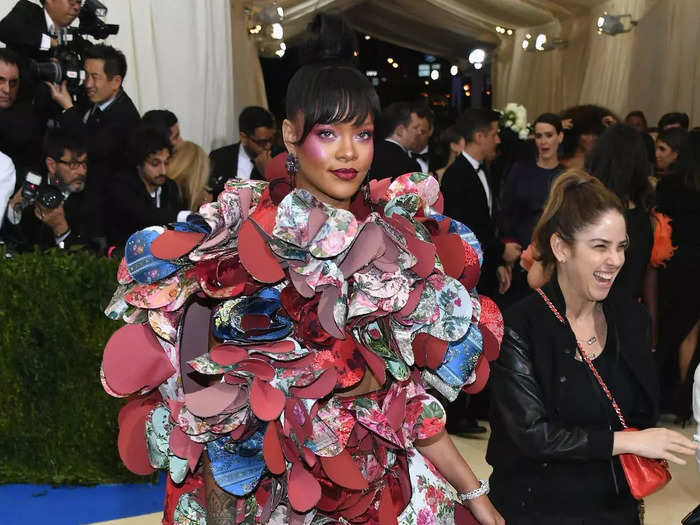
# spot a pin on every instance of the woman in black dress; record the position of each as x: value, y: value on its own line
x: 678, y: 196
x: 555, y: 438
x: 525, y: 192
x: 620, y: 160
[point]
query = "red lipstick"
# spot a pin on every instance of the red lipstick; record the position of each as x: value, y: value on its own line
x: 345, y: 173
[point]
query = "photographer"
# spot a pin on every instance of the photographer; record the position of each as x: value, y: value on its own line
x: 32, y: 31
x: 20, y: 127
x: 143, y: 195
x: 63, y: 211
x: 106, y: 123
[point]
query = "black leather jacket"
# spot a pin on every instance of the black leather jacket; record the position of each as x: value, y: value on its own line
x: 530, y: 447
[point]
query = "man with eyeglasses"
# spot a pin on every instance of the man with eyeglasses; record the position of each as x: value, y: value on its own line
x: 247, y: 158
x: 77, y: 219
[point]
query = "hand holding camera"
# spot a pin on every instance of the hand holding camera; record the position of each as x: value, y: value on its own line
x: 54, y: 218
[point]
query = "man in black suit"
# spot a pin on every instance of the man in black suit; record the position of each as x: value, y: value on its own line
x: 470, y: 200
x: 247, y: 158
x: 143, y: 195
x: 20, y: 127
x: 77, y: 220
x: 107, y: 121
x: 32, y: 31
x: 403, y: 128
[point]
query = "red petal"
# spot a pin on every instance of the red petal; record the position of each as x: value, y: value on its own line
x: 132, y: 437
x: 387, y: 515
x: 490, y: 344
x: 428, y: 351
x: 303, y: 488
x: 451, y: 252
x: 272, y: 450
x: 254, y: 322
x: 266, y: 401
x: 133, y: 359
x: 321, y: 387
x: 343, y: 470
x: 212, y: 400
x: 256, y: 256
x: 226, y: 355
x: 376, y: 364
x: 172, y: 244
x: 259, y: 368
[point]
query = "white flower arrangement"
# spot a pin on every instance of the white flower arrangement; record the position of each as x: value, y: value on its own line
x: 514, y: 116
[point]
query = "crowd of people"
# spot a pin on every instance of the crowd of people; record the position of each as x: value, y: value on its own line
x: 591, y: 216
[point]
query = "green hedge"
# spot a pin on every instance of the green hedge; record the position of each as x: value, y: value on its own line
x: 57, y: 425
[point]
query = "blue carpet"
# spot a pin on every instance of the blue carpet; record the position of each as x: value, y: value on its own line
x: 43, y: 504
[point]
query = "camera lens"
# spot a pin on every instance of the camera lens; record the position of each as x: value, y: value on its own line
x: 50, y: 197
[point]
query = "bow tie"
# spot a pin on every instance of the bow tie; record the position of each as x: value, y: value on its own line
x: 423, y: 156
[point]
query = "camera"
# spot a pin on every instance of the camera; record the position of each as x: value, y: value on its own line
x: 34, y: 190
x: 67, y: 61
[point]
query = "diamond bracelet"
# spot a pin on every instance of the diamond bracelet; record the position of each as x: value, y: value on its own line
x: 473, y: 494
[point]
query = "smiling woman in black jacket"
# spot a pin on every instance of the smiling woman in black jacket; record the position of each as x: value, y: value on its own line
x: 555, y: 436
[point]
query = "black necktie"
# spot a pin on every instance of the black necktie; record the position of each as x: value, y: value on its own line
x: 423, y: 156
x: 95, y: 115
x: 482, y: 167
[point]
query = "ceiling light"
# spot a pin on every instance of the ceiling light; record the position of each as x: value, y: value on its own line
x: 477, y: 55
x: 540, y: 42
x: 615, y: 24
x: 277, y: 31
x: 478, y: 65
x: 454, y: 70
x: 390, y: 60
x: 510, y: 32
x: 367, y: 37
x: 434, y: 74
x: 526, y: 43
x: 395, y: 65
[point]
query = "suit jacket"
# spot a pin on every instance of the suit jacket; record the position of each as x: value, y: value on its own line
x: 465, y: 201
x: 129, y: 206
x: 106, y: 136
x: 390, y: 160
x: 83, y: 212
x: 20, y: 137
x: 224, y: 163
x: 22, y: 28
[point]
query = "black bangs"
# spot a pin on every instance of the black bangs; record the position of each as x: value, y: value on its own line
x: 330, y: 94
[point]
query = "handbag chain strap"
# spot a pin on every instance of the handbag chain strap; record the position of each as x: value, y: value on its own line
x: 587, y: 360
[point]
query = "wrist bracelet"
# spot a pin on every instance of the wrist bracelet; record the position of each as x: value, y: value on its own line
x: 473, y: 494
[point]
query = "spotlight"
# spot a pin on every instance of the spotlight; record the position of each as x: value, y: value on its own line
x: 540, y: 42
x: 454, y: 70
x: 526, y: 44
x: 390, y: 60
x: 277, y: 32
x: 427, y: 82
x: 510, y: 32
x: 395, y: 65
x: 615, y: 24
x: 478, y: 65
x: 477, y: 55
x: 367, y: 37
x: 434, y: 74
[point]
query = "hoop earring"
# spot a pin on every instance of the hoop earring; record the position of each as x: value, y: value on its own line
x: 292, y: 164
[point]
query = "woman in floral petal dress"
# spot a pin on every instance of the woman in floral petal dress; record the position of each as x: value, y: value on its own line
x: 281, y: 341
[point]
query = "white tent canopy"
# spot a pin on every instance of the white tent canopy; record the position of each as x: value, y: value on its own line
x: 195, y: 57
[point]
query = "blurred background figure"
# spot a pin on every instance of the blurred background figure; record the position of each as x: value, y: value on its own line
x: 189, y: 168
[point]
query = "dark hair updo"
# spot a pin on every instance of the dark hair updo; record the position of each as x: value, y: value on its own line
x: 330, y: 90
x: 576, y: 200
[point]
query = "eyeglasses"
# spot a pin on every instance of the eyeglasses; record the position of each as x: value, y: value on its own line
x: 260, y: 142
x: 73, y: 164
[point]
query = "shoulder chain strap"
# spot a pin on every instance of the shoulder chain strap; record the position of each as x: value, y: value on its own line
x: 587, y: 360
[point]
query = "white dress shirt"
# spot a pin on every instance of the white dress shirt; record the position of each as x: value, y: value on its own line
x: 245, y: 164
x: 421, y: 162
x: 7, y: 182
x: 45, y: 44
x: 482, y: 177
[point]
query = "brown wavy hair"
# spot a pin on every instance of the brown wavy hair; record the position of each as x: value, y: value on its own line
x: 575, y: 201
